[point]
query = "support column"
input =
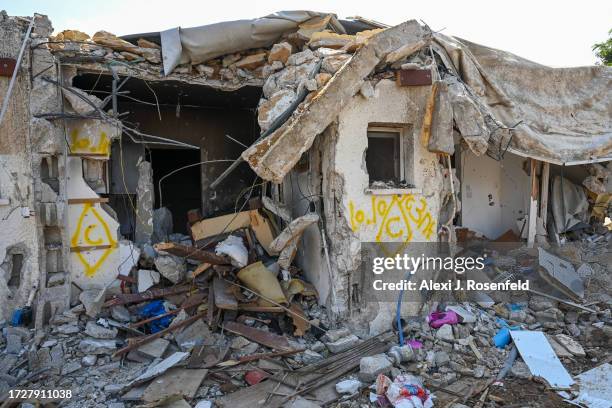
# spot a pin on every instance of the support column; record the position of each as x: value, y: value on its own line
x: 533, y: 205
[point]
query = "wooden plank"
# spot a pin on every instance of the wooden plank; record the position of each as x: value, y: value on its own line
x: 274, y: 341
x: 301, y: 325
x: 127, y: 298
x: 249, y: 307
x: 318, y: 378
x: 201, y: 268
x: 191, y: 252
x: 176, y: 381
x: 211, y: 227
x: 92, y: 247
x: 91, y: 200
x: 533, y: 205
x: 211, y: 306
x: 262, y: 229
x: 224, y: 298
x: 544, y: 192
x: 564, y: 301
x: 74, y: 154
x: 214, y: 226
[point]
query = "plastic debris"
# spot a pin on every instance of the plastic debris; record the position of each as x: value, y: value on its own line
x: 406, y: 391
x: 348, y: 386
x: 439, y: 319
x: 152, y: 309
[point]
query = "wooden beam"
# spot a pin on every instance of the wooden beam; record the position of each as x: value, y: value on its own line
x: 544, y: 192
x: 533, y: 205
x: 75, y: 154
x: 91, y: 247
x: 191, y: 252
x: 87, y: 200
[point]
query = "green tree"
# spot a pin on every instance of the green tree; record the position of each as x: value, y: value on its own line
x: 603, y: 50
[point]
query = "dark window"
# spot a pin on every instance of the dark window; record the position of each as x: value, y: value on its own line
x: 16, y: 267
x: 383, y: 156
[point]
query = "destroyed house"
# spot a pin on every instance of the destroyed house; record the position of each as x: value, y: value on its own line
x: 127, y: 162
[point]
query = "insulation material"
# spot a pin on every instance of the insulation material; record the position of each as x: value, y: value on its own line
x: 563, y: 114
x: 569, y: 204
x: 233, y: 247
x: 199, y: 44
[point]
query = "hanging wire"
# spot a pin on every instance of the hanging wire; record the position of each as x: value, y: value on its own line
x: 183, y: 168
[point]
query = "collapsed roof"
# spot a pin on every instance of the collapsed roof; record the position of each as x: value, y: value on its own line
x: 498, y: 101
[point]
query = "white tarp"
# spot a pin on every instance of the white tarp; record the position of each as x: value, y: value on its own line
x: 199, y: 44
x: 569, y: 204
x: 564, y: 113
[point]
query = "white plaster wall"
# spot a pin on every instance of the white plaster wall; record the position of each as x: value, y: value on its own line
x: 390, y: 105
x: 395, y: 106
x: 90, y: 225
x: 494, y: 194
x: 15, y: 229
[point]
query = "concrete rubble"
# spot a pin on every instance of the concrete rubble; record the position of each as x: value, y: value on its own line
x: 257, y: 296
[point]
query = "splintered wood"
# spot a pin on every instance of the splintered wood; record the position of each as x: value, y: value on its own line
x: 316, y: 379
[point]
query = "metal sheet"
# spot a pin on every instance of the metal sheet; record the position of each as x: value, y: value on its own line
x: 540, y: 358
x: 7, y: 66
x: 595, y: 387
x: 414, y: 77
x: 561, y: 274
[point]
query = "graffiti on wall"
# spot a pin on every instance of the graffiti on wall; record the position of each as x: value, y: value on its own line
x: 92, y: 236
x: 394, y: 217
x: 83, y: 142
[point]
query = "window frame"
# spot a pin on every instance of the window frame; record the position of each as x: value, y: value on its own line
x: 407, y: 147
x: 400, y: 136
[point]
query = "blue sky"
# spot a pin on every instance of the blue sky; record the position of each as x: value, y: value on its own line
x: 556, y: 33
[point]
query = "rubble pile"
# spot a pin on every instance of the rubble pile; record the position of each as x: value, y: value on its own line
x: 290, y: 61
x: 224, y: 317
x: 224, y: 325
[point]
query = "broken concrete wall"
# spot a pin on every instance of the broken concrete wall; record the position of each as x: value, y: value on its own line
x: 302, y: 189
x: 29, y: 169
x: 349, y: 201
x: 494, y: 195
x: 144, y: 203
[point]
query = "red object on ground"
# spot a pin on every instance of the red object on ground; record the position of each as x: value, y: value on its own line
x: 255, y: 376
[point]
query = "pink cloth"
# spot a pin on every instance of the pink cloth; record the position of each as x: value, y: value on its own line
x: 438, y: 319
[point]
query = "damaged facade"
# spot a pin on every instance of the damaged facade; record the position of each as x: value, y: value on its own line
x: 136, y: 165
